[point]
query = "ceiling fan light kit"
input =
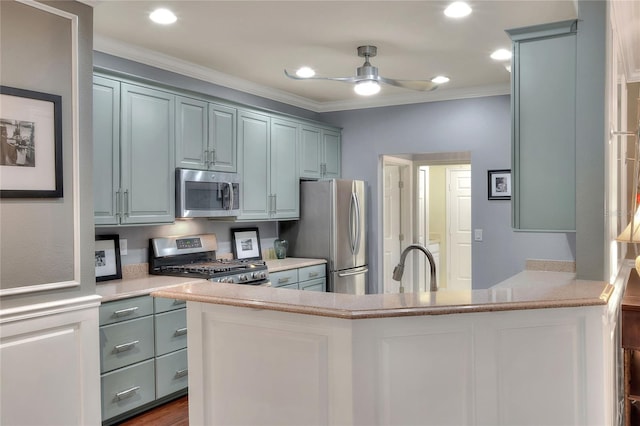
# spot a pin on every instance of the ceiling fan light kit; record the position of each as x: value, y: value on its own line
x: 367, y: 80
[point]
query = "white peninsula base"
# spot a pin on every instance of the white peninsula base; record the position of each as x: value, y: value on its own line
x: 251, y: 366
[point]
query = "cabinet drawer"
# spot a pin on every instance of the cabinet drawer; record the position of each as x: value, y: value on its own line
x: 164, y: 305
x: 126, y: 309
x: 126, y: 343
x: 293, y: 286
x: 311, y: 272
x: 171, y: 331
x: 282, y: 278
x: 127, y: 388
x: 313, y: 285
x: 171, y: 373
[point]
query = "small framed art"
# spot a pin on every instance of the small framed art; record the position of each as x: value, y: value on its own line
x: 499, y: 184
x: 246, y: 243
x: 107, y: 250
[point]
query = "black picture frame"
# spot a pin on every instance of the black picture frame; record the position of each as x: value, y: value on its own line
x: 107, y: 257
x: 499, y: 184
x: 30, y: 144
x: 245, y: 243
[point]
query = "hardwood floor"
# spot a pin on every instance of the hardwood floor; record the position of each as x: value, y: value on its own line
x: 174, y: 413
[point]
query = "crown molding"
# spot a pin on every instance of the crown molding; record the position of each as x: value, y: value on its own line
x: 189, y: 69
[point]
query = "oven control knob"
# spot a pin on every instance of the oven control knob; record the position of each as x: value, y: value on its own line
x: 242, y: 278
x: 259, y: 275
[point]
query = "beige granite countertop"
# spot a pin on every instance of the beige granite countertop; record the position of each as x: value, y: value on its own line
x: 277, y: 265
x: 527, y: 290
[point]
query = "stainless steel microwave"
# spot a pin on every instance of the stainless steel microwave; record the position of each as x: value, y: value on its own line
x: 201, y: 193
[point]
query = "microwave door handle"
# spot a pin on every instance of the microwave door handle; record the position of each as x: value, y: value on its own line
x: 231, y: 200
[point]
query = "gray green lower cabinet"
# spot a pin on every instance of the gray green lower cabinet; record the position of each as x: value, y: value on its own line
x: 143, y: 355
x: 310, y: 278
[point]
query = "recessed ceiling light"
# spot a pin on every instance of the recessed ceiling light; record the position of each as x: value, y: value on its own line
x: 440, y: 79
x: 163, y: 16
x: 305, y: 72
x: 458, y: 9
x: 501, y: 55
x: 367, y: 87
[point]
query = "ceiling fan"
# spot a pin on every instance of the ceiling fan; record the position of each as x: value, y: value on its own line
x: 367, y: 81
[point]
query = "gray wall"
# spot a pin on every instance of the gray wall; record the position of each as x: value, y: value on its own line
x: 37, y: 244
x: 480, y: 126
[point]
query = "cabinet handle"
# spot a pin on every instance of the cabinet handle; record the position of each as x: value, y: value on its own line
x: 179, y: 302
x: 127, y: 393
x: 313, y: 274
x: 206, y: 158
x: 283, y: 280
x: 125, y: 312
x: 275, y: 203
x: 125, y: 346
x: 180, y: 332
x: 181, y: 373
x: 118, y: 203
x: 213, y: 156
x: 126, y: 200
x: 323, y: 169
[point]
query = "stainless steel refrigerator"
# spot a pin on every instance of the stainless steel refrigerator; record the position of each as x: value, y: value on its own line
x: 332, y: 226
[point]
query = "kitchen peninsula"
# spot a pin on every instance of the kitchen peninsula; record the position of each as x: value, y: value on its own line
x: 538, y: 348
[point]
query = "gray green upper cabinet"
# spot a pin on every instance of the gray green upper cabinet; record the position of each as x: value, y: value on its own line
x: 205, y: 135
x: 319, y: 152
x: 543, y: 127
x: 268, y: 152
x: 136, y: 186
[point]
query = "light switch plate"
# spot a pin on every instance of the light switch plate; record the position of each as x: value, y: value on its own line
x: 477, y: 234
x: 123, y: 247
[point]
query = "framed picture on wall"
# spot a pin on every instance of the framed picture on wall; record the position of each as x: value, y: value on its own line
x: 246, y: 243
x: 30, y: 144
x: 107, y: 252
x: 499, y: 184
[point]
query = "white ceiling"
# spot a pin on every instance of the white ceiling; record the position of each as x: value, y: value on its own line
x: 246, y: 45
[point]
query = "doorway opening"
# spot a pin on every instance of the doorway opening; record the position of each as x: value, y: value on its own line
x: 426, y: 199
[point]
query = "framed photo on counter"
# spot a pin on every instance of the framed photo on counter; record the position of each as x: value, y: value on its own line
x: 108, y: 258
x: 499, y: 184
x: 246, y: 243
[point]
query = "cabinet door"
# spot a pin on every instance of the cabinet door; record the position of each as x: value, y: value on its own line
x: 222, y: 138
x: 543, y: 129
x: 191, y: 133
x: 285, y: 191
x: 106, y: 150
x: 331, y: 153
x: 147, y: 155
x: 253, y: 142
x: 310, y: 152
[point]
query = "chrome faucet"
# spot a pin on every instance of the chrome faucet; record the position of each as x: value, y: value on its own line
x: 399, y: 269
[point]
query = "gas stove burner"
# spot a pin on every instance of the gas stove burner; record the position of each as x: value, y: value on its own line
x: 195, y: 257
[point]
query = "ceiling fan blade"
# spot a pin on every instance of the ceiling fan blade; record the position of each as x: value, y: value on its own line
x: 343, y: 79
x: 419, y: 85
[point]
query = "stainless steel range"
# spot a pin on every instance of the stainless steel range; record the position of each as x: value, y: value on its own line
x: 194, y: 256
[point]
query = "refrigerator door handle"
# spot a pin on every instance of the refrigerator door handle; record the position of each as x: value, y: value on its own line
x: 356, y: 243
x: 348, y: 274
x: 352, y: 241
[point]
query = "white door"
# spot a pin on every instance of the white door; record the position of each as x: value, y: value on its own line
x: 391, y: 225
x: 459, y: 219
